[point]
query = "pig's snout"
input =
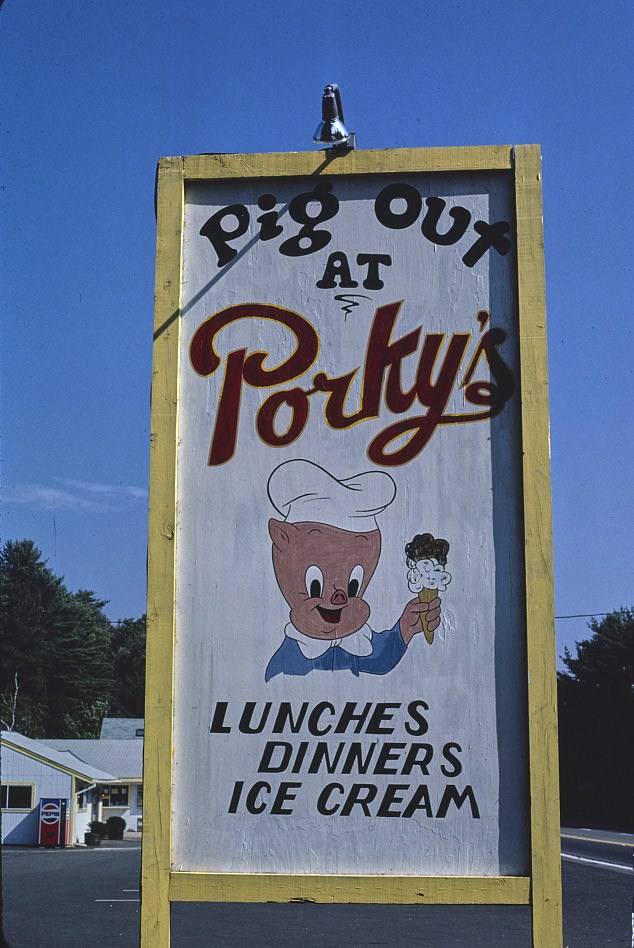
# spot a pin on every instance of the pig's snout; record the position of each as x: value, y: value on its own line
x: 338, y: 598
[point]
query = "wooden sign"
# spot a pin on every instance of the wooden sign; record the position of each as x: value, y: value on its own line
x: 351, y: 689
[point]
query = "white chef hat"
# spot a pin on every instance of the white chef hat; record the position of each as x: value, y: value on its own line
x: 303, y: 491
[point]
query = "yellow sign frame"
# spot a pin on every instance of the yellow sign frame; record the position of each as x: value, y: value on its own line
x: 161, y: 883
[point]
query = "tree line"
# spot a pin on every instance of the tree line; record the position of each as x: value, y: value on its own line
x: 596, y: 726
x: 64, y: 665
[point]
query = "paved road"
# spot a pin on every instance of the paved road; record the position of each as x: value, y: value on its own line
x: 79, y: 897
x: 600, y: 848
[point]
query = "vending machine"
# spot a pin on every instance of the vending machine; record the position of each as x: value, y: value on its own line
x: 53, y: 821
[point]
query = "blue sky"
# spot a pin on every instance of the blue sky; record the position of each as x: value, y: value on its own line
x: 93, y: 94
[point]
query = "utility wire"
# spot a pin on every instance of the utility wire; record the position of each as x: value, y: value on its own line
x: 587, y: 615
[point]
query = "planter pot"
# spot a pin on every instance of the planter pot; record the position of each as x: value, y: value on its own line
x: 115, y: 827
x: 92, y: 839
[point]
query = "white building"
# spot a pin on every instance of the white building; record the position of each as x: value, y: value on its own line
x: 96, y: 778
x: 122, y: 729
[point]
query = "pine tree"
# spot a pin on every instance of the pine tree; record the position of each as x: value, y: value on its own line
x: 30, y: 596
x: 79, y: 650
x: 596, y: 725
x: 55, y: 649
x: 128, y: 644
x: 607, y: 658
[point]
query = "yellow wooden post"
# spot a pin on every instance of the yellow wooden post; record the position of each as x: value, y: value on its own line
x: 157, y: 764
x: 542, y: 692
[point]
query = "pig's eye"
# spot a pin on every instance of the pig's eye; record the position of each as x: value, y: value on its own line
x: 355, y: 581
x: 314, y: 582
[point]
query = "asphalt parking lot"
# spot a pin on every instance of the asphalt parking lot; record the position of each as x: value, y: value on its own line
x: 81, y: 897
x: 71, y: 897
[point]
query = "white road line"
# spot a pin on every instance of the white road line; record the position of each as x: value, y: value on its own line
x: 598, y: 862
x: 116, y: 900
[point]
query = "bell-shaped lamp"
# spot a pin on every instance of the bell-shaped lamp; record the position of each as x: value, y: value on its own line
x: 331, y: 130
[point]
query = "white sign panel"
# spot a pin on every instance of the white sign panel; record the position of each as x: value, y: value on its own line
x: 350, y: 659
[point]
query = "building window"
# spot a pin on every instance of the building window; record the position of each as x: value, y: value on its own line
x: 17, y: 796
x: 115, y: 795
x: 139, y: 732
x: 139, y: 799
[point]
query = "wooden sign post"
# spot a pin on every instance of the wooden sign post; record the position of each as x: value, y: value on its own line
x: 350, y: 679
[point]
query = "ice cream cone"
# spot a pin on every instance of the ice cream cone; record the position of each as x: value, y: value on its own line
x: 427, y: 595
x: 426, y: 560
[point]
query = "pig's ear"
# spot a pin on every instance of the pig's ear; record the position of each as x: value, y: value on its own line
x: 282, y: 534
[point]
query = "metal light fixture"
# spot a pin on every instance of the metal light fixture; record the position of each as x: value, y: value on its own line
x: 331, y: 130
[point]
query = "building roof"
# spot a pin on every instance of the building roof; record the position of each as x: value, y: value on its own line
x: 60, y: 758
x: 123, y: 758
x: 123, y: 729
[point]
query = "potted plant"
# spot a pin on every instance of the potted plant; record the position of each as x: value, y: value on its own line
x: 92, y: 838
x: 100, y: 828
x: 115, y: 826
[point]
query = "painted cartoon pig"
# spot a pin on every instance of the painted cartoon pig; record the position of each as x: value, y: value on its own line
x: 325, y: 552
